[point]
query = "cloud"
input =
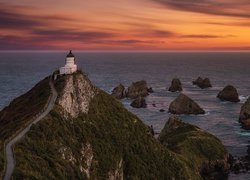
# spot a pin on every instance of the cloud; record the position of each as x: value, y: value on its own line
x: 201, y: 36
x: 70, y: 35
x: 17, y: 18
x: 232, y: 8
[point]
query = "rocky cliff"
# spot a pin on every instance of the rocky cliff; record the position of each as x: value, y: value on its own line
x: 90, y: 135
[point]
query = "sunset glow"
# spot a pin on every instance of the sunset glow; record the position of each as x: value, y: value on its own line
x: 125, y: 25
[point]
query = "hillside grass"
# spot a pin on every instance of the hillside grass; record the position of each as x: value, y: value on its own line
x: 20, y: 111
x: 194, y: 145
x: 114, y: 133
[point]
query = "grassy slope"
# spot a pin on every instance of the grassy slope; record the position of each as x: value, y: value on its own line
x: 20, y: 111
x: 194, y: 145
x: 114, y: 134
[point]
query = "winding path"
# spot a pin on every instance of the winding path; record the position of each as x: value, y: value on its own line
x: 8, y: 148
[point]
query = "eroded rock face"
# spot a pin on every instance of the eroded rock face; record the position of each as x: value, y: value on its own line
x: 244, y: 118
x: 139, y: 102
x: 76, y: 95
x: 202, y: 83
x: 119, y: 92
x: 175, y: 85
x: 185, y: 105
x: 206, y: 152
x: 117, y: 173
x: 137, y: 89
x: 229, y: 93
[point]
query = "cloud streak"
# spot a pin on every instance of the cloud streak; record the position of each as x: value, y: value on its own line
x: 231, y: 8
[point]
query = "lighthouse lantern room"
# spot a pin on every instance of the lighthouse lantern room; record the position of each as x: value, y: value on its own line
x: 70, y: 66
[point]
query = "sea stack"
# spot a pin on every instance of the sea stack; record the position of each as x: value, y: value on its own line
x: 202, y: 83
x: 229, y: 93
x: 185, y: 105
x: 244, y: 118
x: 139, y: 102
x: 137, y: 89
x: 175, y: 85
x: 119, y: 92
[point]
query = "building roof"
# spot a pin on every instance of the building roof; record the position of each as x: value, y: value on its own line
x: 70, y: 54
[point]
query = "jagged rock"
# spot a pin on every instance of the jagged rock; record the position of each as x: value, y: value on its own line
x: 119, y: 92
x: 190, y: 141
x: 150, y: 90
x: 229, y: 93
x: 83, y: 91
x: 245, y: 114
x: 246, y: 124
x: 202, y: 83
x: 185, y: 105
x: 137, y: 89
x: 139, y: 102
x: 175, y: 85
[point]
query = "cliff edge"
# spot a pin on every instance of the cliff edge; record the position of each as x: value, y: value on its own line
x: 90, y: 135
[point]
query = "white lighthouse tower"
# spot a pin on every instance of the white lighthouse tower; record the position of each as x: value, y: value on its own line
x: 70, y: 66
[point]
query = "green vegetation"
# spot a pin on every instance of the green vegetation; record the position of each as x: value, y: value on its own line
x: 107, y: 141
x: 193, y: 144
x: 20, y: 111
x: 114, y: 134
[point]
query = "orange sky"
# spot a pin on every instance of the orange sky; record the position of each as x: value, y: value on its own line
x: 125, y: 25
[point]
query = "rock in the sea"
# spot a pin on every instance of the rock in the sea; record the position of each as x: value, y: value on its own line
x: 150, y: 90
x: 229, y: 93
x: 139, y: 102
x: 137, y: 89
x: 206, y: 152
x: 119, y: 92
x: 175, y: 85
x: 202, y: 83
x: 245, y: 110
x: 185, y: 105
x: 244, y: 118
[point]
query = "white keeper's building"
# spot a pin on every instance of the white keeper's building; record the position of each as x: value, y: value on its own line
x: 70, y: 66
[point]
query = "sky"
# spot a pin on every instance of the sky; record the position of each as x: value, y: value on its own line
x: 125, y: 25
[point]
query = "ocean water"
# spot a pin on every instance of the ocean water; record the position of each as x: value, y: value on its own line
x: 20, y: 71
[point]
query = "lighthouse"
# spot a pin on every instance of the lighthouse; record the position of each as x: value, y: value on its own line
x: 70, y: 65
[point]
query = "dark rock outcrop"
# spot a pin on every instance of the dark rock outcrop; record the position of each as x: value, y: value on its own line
x: 185, y: 105
x: 206, y: 152
x: 150, y: 90
x: 137, y: 89
x: 119, y: 92
x: 139, y: 102
x: 202, y: 83
x: 229, y: 93
x: 244, y: 118
x: 175, y: 85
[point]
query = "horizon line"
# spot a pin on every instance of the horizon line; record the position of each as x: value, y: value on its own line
x: 135, y: 51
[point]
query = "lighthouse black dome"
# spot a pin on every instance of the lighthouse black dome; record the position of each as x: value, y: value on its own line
x: 70, y: 54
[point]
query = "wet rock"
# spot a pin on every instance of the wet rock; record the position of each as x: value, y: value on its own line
x: 137, y: 89
x: 175, y: 85
x: 244, y: 118
x: 150, y: 90
x: 185, y: 105
x: 229, y: 93
x: 202, y: 83
x: 139, y: 102
x: 119, y: 92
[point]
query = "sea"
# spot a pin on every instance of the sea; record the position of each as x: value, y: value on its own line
x: 21, y: 70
